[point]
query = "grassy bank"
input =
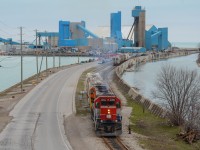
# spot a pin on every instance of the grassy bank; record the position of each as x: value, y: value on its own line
x: 159, y: 134
x: 82, y: 106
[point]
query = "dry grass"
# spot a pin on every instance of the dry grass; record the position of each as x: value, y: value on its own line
x: 82, y: 105
x: 160, y: 134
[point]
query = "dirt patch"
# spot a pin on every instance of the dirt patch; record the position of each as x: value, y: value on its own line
x: 81, y: 135
x: 4, y: 120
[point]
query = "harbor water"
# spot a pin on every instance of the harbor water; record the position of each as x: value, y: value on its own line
x: 144, y: 76
x: 10, y: 67
x: 186, y: 44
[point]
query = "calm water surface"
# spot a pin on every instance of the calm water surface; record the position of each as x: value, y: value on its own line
x: 145, y: 75
x: 10, y: 70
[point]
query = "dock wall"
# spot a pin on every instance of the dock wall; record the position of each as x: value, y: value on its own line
x: 132, y: 92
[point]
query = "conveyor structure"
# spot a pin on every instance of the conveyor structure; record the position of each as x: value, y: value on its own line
x: 8, y: 41
x: 86, y: 31
x: 52, y: 40
x: 73, y: 34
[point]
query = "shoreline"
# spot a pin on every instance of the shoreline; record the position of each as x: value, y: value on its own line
x: 12, y: 95
x: 42, y: 75
x: 7, y: 101
x: 49, y: 54
x: 154, y: 108
x: 10, y: 65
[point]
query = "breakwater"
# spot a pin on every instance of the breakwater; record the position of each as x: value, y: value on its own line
x: 132, y: 92
x: 10, y: 67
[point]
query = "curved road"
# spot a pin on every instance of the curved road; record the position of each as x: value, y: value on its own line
x: 37, y: 122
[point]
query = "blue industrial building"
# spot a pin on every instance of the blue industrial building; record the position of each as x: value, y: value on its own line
x: 65, y: 34
x: 139, y: 26
x: 73, y: 34
x: 151, y: 39
x: 156, y: 38
x: 115, y: 30
x: 139, y: 38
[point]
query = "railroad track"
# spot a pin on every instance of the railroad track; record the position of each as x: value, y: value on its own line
x: 114, y: 143
x: 102, y: 67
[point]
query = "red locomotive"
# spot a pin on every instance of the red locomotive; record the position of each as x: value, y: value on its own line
x: 105, y: 107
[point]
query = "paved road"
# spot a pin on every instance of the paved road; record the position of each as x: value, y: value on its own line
x: 38, y: 117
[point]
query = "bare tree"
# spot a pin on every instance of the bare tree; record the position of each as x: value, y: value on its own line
x: 198, y: 59
x: 180, y: 90
x: 198, y: 46
x: 193, y: 118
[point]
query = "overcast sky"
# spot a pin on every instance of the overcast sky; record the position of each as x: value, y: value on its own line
x: 182, y: 17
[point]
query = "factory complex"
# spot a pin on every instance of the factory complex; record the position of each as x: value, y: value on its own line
x: 75, y: 36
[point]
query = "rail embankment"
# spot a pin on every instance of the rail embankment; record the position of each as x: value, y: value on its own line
x: 132, y: 92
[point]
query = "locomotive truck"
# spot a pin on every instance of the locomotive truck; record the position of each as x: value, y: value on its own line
x: 105, y: 107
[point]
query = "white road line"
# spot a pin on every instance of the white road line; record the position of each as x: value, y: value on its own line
x: 66, y: 142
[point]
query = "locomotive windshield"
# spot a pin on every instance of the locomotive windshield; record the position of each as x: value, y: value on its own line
x: 110, y: 102
x: 103, y: 102
x: 102, y: 88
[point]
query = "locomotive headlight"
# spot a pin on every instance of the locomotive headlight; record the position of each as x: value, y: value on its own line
x: 108, y: 115
x: 108, y: 111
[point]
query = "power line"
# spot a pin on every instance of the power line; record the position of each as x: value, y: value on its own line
x: 28, y: 35
x: 6, y: 25
x: 6, y: 32
x: 4, y: 58
x: 3, y: 35
x: 10, y: 67
x: 29, y: 60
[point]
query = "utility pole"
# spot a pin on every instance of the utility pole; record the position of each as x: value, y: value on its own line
x: 36, y: 53
x: 53, y: 59
x: 78, y: 57
x: 59, y: 59
x: 53, y: 54
x: 46, y: 55
x: 21, y: 59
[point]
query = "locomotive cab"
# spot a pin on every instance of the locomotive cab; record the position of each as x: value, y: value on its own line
x: 107, y: 116
x: 105, y: 107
